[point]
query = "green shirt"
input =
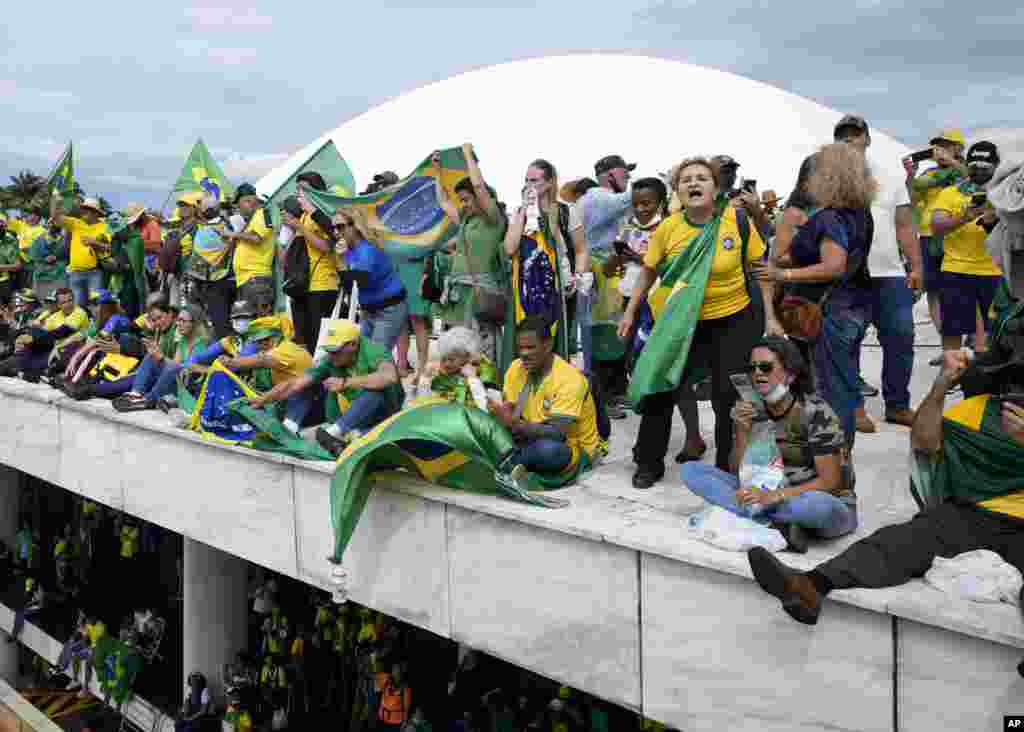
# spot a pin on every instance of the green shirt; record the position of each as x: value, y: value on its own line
x: 44, y: 246
x: 483, y: 239
x: 371, y: 356
x: 9, y: 253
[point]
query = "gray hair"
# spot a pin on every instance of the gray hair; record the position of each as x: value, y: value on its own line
x: 458, y: 340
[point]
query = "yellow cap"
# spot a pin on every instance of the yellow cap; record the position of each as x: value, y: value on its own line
x: 192, y: 198
x: 950, y: 135
x: 339, y: 333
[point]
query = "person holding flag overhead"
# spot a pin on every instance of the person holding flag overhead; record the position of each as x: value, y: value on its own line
x: 705, y: 317
x: 361, y: 382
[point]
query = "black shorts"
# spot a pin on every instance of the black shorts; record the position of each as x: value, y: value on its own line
x: 961, y: 297
x: 931, y: 264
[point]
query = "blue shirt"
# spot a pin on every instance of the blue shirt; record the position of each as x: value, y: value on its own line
x: 383, y: 283
x: 604, y: 212
x: 851, y: 229
x: 215, y: 351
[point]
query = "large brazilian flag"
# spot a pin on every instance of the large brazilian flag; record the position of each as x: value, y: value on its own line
x: 202, y: 173
x: 326, y: 161
x: 406, y: 220
x: 439, y: 441
x: 62, y: 177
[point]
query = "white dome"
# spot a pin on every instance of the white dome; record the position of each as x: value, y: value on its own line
x: 573, y: 110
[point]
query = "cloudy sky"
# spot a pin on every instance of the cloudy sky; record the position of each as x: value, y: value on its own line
x: 135, y: 83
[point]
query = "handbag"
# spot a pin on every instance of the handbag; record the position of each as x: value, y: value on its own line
x: 489, y: 305
x: 799, y: 316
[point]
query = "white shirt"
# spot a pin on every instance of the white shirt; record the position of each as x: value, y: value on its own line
x: 884, y: 259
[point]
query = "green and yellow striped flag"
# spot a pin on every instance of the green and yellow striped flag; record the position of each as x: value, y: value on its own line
x: 442, y: 442
x: 62, y: 178
x: 202, y: 173
x: 406, y: 219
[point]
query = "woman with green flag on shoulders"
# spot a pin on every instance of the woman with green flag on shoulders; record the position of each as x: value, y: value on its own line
x: 705, y: 317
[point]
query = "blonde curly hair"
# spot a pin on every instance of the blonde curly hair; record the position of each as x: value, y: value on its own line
x: 841, y: 178
x: 708, y: 163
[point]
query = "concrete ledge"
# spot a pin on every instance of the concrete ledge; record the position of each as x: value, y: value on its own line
x: 610, y: 595
x: 25, y: 711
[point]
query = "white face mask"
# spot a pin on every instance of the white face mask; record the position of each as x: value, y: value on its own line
x: 777, y: 394
x: 241, y: 325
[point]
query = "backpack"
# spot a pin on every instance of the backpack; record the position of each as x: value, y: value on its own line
x: 433, y: 282
x: 297, y: 272
x: 753, y: 287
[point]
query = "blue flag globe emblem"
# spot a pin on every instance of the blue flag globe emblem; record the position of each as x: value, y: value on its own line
x: 58, y: 182
x: 413, y: 208
x: 210, y: 186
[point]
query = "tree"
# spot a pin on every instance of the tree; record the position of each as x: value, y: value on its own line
x: 25, y: 187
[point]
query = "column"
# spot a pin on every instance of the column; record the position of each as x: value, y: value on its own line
x: 10, y: 490
x: 215, y: 614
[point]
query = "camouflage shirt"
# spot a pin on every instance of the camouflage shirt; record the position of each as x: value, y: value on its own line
x: 811, y: 429
x: 9, y: 252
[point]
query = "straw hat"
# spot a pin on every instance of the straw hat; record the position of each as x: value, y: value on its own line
x: 769, y: 197
x: 133, y: 212
x: 92, y: 204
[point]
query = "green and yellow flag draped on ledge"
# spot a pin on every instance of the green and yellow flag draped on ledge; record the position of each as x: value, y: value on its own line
x: 62, y: 178
x: 406, y: 220
x: 663, y: 359
x: 449, y: 444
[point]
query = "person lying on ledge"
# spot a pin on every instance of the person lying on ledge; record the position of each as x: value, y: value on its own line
x: 361, y: 384
x: 818, y: 495
x: 969, y: 479
x: 549, y: 410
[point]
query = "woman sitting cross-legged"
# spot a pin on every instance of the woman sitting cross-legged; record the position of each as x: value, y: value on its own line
x: 819, y: 495
x: 461, y: 372
x: 158, y: 374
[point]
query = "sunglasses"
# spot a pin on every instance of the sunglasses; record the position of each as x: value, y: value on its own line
x: 765, y: 367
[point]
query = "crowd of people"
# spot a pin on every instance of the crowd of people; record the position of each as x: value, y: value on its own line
x: 583, y: 301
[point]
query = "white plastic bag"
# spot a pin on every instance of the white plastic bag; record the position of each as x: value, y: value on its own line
x: 980, y: 576
x: 725, y: 530
x: 761, y: 466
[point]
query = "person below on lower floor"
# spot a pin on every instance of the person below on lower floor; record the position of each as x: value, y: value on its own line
x: 361, y: 382
x: 548, y: 408
x: 969, y: 478
x: 818, y: 495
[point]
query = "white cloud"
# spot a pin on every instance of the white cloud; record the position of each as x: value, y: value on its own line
x: 226, y: 18
x: 252, y: 167
x: 132, y: 181
x: 198, y: 48
x: 33, y: 147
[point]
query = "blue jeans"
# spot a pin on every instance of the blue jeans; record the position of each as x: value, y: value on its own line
x: 545, y: 456
x: 385, y: 325
x: 368, y: 409
x: 837, y: 364
x: 82, y: 283
x: 154, y: 380
x: 892, y: 314
x: 821, y: 512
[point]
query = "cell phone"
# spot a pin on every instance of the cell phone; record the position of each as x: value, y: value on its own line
x: 750, y: 186
x: 979, y: 199
x: 920, y: 156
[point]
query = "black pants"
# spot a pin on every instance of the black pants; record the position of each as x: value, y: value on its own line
x: 897, y: 554
x: 307, y: 312
x: 722, y: 347
x: 217, y: 299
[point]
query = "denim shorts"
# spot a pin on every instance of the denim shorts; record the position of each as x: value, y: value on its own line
x: 961, y: 297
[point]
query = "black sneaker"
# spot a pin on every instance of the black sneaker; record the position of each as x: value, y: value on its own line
x: 645, y: 477
x: 867, y: 389
x: 796, y: 538
x: 329, y: 442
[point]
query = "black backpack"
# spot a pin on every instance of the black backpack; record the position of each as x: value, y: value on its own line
x: 296, y: 261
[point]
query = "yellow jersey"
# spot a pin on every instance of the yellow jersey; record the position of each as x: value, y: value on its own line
x: 563, y: 392
x: 255, y: 260
x: 963, y: 248
x: 26, y: 233
x: 291, y: 361
x: 323, y: 266
x: 83, y: 258
x: 77, y: 320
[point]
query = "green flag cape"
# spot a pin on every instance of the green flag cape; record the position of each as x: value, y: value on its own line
x: 406, y: 220
x: 117, y: 665
x: 663, y: 359
x: 455, y: 446
x: 62, y: 178
x: 974, y: 465
x: 326, y: 161
x: 202, y: 173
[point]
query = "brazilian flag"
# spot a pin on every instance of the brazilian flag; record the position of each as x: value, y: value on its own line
x: 117, y: 664
x: 439, y: 441
x: 406, y: 220
x: 326, y: 161
x: 202, y: 173
x: 62, y: 177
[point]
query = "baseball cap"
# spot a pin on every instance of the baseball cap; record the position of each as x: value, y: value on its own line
x: 387, y: 178
x: 852, y: 121
x: 611, y: 162
x: 950, y: 135
x: 246, y: 189
x: 340, y: 333
x: 725, y: 161
x: 983, y: 153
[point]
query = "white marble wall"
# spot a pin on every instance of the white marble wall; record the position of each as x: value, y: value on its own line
x: 560, y: 605
x: 91, y: 457
x: 955, y: 683
x: 719, y: 654
x: 30, y: 437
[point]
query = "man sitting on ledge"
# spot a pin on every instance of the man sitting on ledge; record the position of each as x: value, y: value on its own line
x: 969, y: 479
x: 549, y: 410
x: 361, y: 382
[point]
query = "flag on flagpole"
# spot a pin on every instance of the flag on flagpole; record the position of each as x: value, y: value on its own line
x: 202, y: 173
x: 62, y: 177
x: 406, y: 220
x: 326, y: 161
